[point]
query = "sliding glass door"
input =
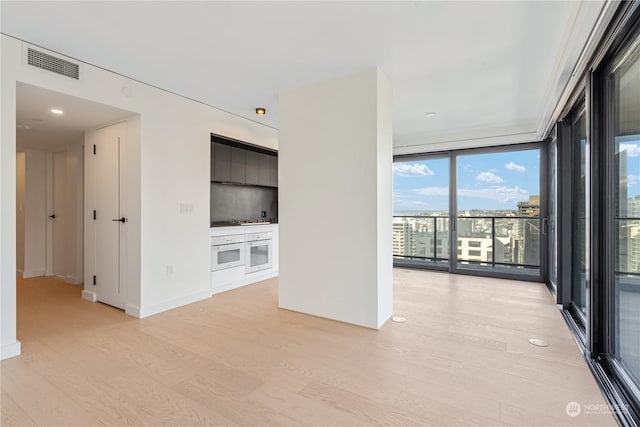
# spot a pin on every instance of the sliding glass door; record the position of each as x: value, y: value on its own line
x: 625, y: 301
x: 552, y: 240
x: 579, y: 207
x: 498, y: 211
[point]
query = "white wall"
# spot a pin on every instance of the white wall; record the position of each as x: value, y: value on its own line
x: 10, y: 345
x: 335, y: 164
x: 32, y: 210
x: 20, y: 177
x: 68, y: 251
x: 167, y: 164
x: 75, y: 213
x: 35, y: 215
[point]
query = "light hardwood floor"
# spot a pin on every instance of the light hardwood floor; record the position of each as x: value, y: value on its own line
x: 461, y: 358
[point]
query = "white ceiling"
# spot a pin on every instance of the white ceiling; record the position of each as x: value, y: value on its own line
x: 51, y: 132
x: 492, y: 71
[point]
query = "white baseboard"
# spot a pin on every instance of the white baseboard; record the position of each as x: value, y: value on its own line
x: 255, y: 278
x: 73, y: 280
x: 19, y: 273
x: 132, y: 310
x: 89, y: 296
x: 10, y: 350
x: 32, y: 273
x: 150, y: 310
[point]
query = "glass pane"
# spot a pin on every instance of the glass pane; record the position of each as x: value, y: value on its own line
x: 553, y: 213
x: 627, y: 212
x: 421, y: 211
x: 579, y: 271
x: 498, y: 219
x: 228, y: 256
x: 259, y: 255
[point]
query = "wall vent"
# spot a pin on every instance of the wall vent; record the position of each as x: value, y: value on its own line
x: 53, y: 64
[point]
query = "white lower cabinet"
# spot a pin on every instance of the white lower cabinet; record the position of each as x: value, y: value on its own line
x: 226, y: 273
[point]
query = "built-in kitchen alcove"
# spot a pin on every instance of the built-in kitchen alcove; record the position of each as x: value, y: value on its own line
x: 244, y: 214
x: 244, y: 183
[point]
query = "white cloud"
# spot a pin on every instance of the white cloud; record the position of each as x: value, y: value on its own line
x: 515, y: 167
x: 633, y: 180
x: 416, y: 169
x: 502, y: 194
x: 407, y: 201
x: 433, y: 191
x: 489, y: 177
x: 632, y: 149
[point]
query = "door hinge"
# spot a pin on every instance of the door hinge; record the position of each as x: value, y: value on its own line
x: 94, y: 148
x: 94, y: 280
x: 94, y: 214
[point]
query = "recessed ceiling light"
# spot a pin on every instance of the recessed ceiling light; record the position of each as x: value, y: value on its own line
x: 430, y: 114
x: 56, y: 111
x: 261, y: 111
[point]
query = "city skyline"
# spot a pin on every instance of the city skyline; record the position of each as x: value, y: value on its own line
x: 492, y: 181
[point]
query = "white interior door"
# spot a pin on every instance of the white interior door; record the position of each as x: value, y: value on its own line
x: 57, y: 216
x: 110, y: 284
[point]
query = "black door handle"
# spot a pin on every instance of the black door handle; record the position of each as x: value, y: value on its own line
x: 52, y: 216
x: 122, y: 220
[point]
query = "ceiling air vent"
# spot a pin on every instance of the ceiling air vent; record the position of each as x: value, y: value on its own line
x: 53, y: 64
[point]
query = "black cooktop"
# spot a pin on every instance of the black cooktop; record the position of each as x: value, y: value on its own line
x: 241, y: 222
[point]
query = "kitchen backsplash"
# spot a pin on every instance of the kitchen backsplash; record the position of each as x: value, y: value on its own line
x: 230, y: 202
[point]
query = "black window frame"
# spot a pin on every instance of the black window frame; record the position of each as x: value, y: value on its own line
x: 602, y: 339
x: 452, y: 266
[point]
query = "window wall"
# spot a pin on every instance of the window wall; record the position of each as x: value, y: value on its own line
x: 598, y: 253
x: 491, y: 197
x: 625, y: 143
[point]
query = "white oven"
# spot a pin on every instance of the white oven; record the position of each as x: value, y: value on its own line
x: 258, y: 254
x: 227, y: 251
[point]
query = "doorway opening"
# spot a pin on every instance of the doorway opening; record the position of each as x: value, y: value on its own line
x: 55, y: 187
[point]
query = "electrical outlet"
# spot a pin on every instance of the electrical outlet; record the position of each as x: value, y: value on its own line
x: 264, y: 214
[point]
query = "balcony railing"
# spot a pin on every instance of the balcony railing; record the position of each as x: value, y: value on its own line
x: 627, y: 260
x: 423, y: 238
x: 482, y: 241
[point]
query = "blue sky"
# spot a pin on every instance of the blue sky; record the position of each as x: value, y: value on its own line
x: 485, y: 181
x: 631, y: 145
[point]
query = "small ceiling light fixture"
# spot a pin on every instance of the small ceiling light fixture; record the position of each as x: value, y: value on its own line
x: 430, y: 114
x: 261, y: 111
x: 57, y: 111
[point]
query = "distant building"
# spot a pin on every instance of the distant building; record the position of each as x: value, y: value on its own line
x: 525, y: 242
x: 403, y: 237
x: 631, y: 230
x: 530, y: 207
